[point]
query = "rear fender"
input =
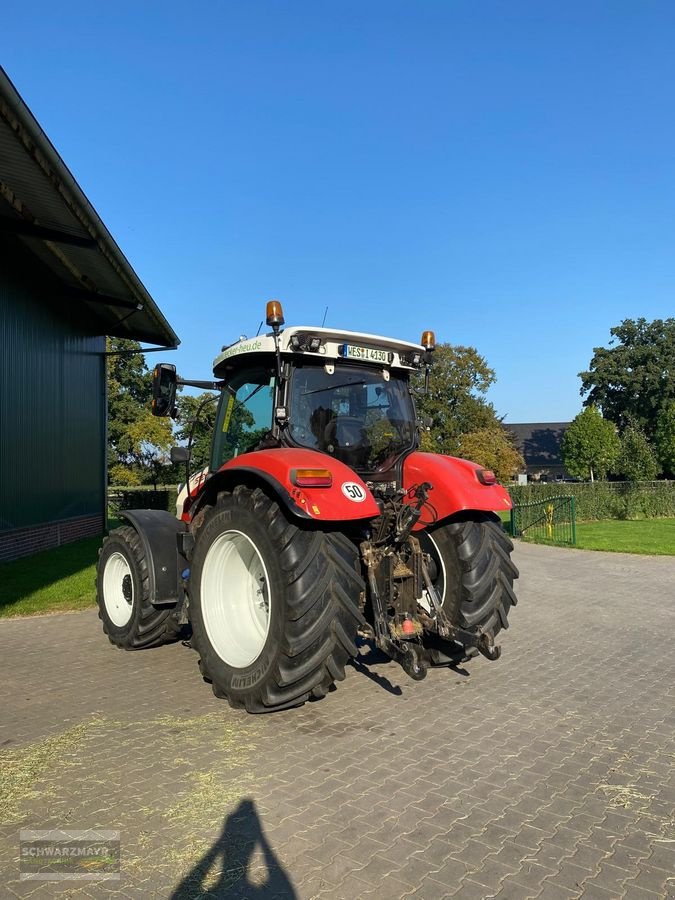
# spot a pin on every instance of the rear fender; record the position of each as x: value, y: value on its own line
x: 158, y: 531
x: 455, y: 487
x: 346, y: 500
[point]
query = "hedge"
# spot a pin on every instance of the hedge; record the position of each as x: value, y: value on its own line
x: 142, y: 498
x: 606, y: 499
x: 599, y: 500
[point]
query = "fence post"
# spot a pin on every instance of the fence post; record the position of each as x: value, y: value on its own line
x: 573, y: 513
x: 513, y: 520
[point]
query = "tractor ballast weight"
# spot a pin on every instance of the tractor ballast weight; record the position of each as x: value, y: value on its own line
x: 318, y: 518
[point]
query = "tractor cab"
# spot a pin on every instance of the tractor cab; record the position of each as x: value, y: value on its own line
x: 342, y: 393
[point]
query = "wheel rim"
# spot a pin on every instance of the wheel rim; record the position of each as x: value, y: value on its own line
x: 118, y: 589
x: 235, y: 599
x: 430, y: 546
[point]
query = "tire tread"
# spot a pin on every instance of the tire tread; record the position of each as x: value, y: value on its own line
x: 487, y: 571
x: 155, y: 625
x: 323, y: 588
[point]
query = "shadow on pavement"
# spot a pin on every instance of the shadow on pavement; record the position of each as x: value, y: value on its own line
x: 370, y: 655
x: 227, y: 866
x: 359, y: 663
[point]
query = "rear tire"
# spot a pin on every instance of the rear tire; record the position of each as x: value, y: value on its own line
x: 129, y: 619
x: 472, y: 571
x: 273, y: 607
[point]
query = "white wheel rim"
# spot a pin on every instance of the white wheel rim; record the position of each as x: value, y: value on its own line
x: 118, y: 589
x: 235, y: 599
x: 425, y: 600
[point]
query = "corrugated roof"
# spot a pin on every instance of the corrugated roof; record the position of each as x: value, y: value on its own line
x: 42, y: 204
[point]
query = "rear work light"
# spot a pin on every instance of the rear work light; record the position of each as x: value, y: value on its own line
x: 311, y: 477
x: 306, y: 342
x: 485, y: 476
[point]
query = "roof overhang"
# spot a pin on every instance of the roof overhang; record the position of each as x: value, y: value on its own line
x: 42, y: 205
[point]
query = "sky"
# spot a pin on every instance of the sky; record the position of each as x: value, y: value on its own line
x: 499, y: 172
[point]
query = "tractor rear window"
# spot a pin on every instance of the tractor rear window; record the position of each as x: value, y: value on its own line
x: 355, y: 415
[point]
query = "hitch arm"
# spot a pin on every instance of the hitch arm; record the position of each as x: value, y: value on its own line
x: 483, y: 642
x: 409, y: 657
x: 445, y: 628
x: 381, y: 635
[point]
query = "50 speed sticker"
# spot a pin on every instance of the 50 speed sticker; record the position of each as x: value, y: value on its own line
x: 353, y: 492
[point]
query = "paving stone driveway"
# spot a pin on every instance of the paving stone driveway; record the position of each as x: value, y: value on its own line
x: 550, y: 773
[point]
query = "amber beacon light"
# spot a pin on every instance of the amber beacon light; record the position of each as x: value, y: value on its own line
x: 275, y: 314
x: 428, y: 340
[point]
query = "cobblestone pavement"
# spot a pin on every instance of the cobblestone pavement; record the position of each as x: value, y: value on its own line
x: 550, y: 773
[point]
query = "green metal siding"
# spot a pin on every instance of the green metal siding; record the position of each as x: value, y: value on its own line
x: 52, y: 401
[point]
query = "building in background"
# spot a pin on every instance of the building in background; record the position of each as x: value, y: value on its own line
x: 64, y: 286
x: 540, y: 445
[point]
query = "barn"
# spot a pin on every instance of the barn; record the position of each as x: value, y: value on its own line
x: 540, y: 446
x: 64, y: 286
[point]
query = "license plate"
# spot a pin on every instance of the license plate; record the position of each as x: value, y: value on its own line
x: 368, y: 354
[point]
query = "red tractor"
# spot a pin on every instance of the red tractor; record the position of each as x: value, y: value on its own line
x: 318, y: 518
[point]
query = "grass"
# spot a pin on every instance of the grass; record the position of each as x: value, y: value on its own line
x: 55, y: 580
x: 653, y: 537
x: 52, y: 581
x: 650, y: 537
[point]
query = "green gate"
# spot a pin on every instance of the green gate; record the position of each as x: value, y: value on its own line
x: 550, y: 521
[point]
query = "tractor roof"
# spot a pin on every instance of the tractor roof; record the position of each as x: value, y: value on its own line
x: 303, y: 341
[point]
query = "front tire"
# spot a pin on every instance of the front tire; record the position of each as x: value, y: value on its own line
x: 472, y: 571
x: 273, y: 607
x: 129, y: 619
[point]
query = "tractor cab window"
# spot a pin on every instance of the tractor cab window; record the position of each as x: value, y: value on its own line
x: 244, y: 414
x: 355, y: 415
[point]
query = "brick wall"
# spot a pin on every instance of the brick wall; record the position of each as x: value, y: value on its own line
x: 26, y: 541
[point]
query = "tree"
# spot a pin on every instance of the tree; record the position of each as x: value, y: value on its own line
x: 201, y: 411
x: 197, y: 416
x: 456, y: 404
x: 137, y: 440
x: 635, y: 378
x: 664, y: 438
x: 637, y: 460
x: 590, y: 446
x: 493, y: 449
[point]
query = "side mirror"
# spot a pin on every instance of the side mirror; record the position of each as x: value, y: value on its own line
x: 163, y: 389
x: 179, y: 454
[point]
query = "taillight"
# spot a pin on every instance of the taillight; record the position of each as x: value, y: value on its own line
x: 485, y: 476
x: 311, y: 477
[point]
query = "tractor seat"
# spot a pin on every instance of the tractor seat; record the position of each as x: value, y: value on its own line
x: 346, y: 439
